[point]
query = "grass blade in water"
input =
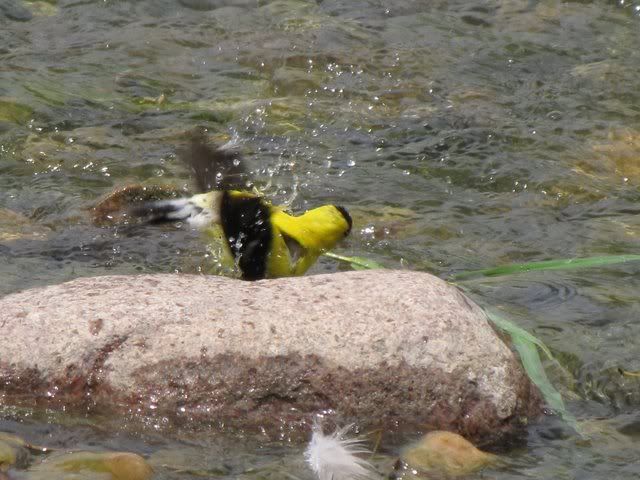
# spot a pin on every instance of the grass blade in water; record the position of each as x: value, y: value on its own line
x: 527, y: 346
x: 564, y: 264
x: 357, y: 263
x: 515, y: 331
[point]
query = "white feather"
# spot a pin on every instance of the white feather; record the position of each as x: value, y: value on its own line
x: 200, y: 211
x: 209, y: 203
x: 333, y: 457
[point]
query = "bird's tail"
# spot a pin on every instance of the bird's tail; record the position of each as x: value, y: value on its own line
x: 199, y: 211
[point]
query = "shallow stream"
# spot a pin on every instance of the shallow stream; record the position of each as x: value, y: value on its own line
x: 460, y: 134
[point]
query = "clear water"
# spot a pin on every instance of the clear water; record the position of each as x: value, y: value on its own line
x: 460, y: 134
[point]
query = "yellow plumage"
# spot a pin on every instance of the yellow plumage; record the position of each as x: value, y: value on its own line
x: 263, y: 240
x: 314, y: 232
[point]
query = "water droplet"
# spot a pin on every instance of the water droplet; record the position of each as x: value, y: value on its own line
x: 554, y: 115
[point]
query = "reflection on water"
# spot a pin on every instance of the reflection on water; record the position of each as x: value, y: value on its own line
x: 465, y: 135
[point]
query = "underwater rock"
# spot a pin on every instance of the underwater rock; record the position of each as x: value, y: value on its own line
x: 15, y: 226
x: 98, y: 465
x: 14, y: 10
x: 398, y: 350
x: 11, y: 110
x: 13, y: 452
x: 446, y: 453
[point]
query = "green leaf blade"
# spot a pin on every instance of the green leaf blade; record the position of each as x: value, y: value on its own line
x: 527, y: 346
x: 357, y: 263
x: 545, y: 265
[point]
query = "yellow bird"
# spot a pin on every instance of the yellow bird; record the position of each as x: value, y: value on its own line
x: 263, y: 239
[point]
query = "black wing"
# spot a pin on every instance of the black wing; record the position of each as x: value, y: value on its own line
x: 214, y: 168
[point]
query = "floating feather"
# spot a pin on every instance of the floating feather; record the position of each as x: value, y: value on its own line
x: 334, y: 457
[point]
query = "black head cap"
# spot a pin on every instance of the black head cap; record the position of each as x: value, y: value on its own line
x: 346, y: 216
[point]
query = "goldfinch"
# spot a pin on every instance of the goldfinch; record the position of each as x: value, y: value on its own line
x: 263, y: 239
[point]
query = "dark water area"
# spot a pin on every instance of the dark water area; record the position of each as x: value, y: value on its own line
x: 460, y: 134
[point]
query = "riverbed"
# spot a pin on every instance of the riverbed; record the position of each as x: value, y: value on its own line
x: 460, y: 135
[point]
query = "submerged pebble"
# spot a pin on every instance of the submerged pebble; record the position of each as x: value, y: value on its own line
x: 15, y: 10
x: 446, y: 452
x: 91, y: 465
x: 15, y: 226
x: 13, y: 452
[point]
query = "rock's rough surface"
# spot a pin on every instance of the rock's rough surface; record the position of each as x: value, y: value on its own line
x: 394, y: 349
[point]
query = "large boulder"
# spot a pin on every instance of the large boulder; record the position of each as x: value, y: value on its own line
x: 392, y: 349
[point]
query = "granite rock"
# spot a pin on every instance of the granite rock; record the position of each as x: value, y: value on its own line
x: 398, y: 350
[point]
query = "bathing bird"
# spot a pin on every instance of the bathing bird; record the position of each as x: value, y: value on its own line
x: 264, y: 240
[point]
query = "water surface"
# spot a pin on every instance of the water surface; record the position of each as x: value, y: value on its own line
x: 460, y: 134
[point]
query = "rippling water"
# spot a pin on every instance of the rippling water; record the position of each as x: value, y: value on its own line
x: 461, y: 135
